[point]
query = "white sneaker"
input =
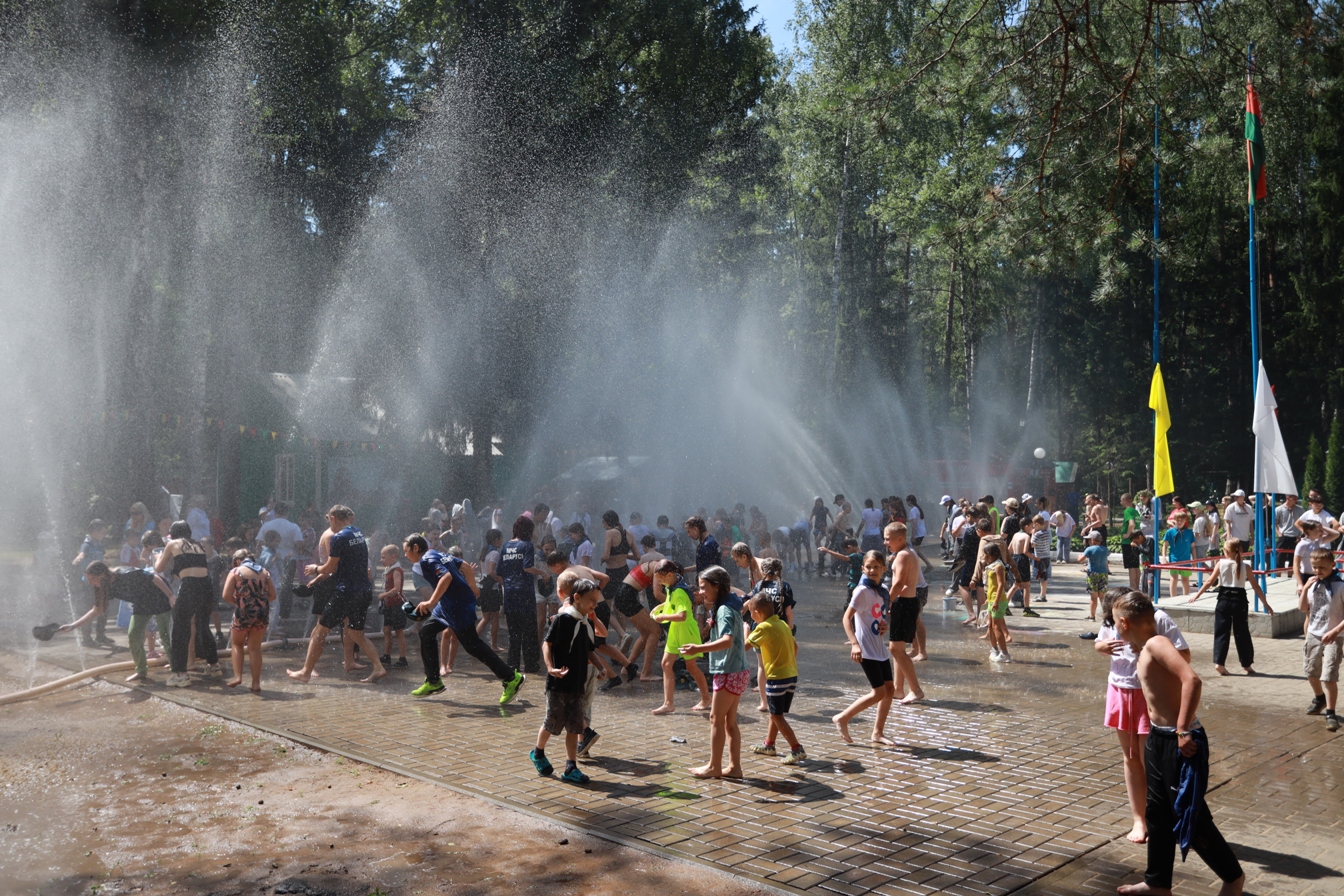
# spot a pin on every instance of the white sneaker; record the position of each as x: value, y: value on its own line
x: 178, y: 681
x: 1004, y: 657
x: 994, y: 656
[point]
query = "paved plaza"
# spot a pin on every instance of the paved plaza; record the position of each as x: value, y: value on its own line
x: 1004, y: 781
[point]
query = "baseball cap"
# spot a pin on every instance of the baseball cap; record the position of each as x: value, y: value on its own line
x: 1239, y: 493
x: 1094, y: 535
x: 945, y: 499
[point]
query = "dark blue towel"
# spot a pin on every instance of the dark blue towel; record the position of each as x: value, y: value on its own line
x: 1190, y: 794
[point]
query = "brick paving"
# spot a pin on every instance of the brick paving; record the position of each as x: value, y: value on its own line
x: 1004, y: 782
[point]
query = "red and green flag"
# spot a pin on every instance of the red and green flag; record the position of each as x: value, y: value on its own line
x: 1255, y: 146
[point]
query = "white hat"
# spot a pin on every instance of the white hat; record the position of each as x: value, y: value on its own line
x: 1026, y: 497
x: 945, y: 499
x: 1094, y: 535
x: 1239, y: 493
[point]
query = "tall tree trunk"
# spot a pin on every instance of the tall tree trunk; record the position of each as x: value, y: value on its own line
x: 951, y: 321
x: 967, y: 343
x: 1035, y: 360
x: 837, y: 267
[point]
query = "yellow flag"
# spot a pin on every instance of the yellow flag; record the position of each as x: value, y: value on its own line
x: 1157, y: 400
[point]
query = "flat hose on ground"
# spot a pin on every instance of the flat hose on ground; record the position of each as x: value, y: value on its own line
x: 127, y: 665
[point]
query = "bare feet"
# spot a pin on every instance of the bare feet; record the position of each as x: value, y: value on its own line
x: 762, y: 708
x: 356, y: 667
x: 702, y: 706
x: 662, y: 710
x: 1221, y: 670
x: 881, y: 740
x: 256, y: 689
x: 1142, y: 889
x: 1232, y: 887
x: 918, y: 657
x: 842, y: 725
x: 445, y: 670
x: 1138, y: 834
x: 381, y: 673
x: 299, y: 675
x: 233, y: 682
x: 1249, y: 671
x: 733, y: 771
x: 913, y: 697
x: 706, y: 771
x: 650, y: 678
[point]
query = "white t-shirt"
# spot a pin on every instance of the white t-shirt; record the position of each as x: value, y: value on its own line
x: 289, y: 533
x: 1324, y: 517
x: 1227, y: 573
x: 1125, y: 662
x: 1064, y: 523
x: 1203, y: 530
x: 490, y: 565
x: 872, y: 521
x: 914, y: 518
x: 1325, y: 607
x: 582, y: 555
x: 870, y: 612
x: 1239, y: 521
x: 1302, y: 553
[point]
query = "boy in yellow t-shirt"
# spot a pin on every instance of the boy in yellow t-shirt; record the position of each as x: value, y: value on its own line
x: 772, y: 638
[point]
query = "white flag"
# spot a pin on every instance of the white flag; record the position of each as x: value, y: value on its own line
x: 1272, y: 471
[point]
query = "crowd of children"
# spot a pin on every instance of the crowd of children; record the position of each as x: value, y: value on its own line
x: 667, y: 595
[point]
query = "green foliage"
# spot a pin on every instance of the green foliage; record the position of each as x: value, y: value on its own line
x: 1314, y: 473
x: 1334, y: 464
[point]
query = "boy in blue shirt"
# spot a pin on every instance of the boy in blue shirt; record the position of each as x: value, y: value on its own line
x: 451, y: 605
x: 1098, y: 560
x: 849, y: 551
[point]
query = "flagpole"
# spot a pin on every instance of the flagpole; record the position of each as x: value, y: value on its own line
x: 1255, y: 348
x: 1157, y: 355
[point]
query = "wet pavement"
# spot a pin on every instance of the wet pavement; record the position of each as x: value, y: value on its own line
x: 1005, y: 781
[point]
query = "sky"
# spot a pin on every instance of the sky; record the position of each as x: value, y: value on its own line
x: 776, y: 15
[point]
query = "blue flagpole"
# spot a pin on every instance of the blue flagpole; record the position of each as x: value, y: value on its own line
x: 1255, y: 352
x: 1157, y: 211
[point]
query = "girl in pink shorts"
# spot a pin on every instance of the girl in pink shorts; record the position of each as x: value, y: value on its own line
x: 728, y: 665
x: 1126, y: 710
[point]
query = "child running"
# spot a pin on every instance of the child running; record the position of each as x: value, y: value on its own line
x: 565, y: 583
x: 567, y: 648
x: 865, y: 623
x: 1176, y: 759
x: 1126, y: 709
x: 251, y: 591
x: 728, y: 664
x: 774, y: 641
x: 677, y: 612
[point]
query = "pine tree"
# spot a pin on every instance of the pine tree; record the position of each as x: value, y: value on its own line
x: 1314, y: 477
x: 1334, y: 464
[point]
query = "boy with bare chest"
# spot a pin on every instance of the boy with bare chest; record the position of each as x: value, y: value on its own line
x: 1176, y: 757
